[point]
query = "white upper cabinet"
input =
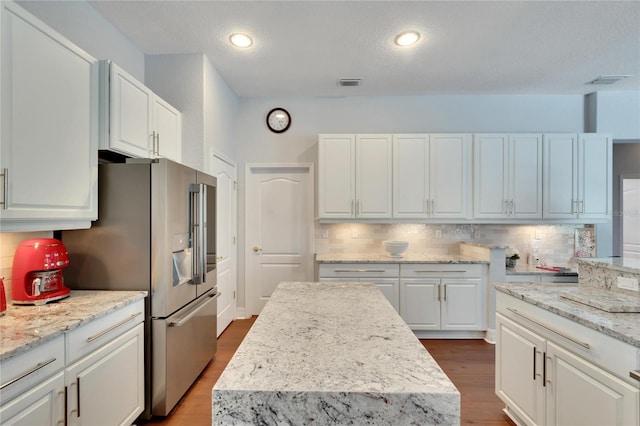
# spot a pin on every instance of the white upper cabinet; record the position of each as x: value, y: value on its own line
x: 577, y: 176
x: 49, y: 127
x: 354, y: 176
x: 135, y: 121
x: 507, y: 176
x: 431, y: 176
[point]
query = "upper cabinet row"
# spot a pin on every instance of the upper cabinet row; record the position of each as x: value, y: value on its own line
x: 462, y: 177
x: 59, y: 106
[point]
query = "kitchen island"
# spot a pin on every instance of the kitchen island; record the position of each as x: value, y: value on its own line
x: 332, y: 353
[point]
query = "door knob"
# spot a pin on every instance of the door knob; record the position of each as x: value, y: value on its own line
x: 257, y: 249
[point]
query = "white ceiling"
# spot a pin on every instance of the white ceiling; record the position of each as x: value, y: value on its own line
x: 468, y: 47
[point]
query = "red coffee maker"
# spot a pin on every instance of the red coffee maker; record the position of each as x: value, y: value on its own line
x: 37, y: 272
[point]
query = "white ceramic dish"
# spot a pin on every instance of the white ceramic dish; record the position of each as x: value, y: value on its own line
x: 395, y: 248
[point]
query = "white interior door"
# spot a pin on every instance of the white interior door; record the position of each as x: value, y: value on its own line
x: 226, y: 256
x: 279, y: 229
x: 631, y: 218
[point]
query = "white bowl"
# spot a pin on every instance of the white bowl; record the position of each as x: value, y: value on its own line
x: 395, y: 248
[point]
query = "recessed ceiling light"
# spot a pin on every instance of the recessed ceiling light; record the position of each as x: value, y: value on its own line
x: 407, y: 38
x: 240, y: 40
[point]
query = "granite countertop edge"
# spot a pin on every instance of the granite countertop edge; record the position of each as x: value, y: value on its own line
x: 620, y: 326
x: 20, y: 329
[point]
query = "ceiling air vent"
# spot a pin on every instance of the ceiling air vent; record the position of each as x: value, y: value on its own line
x: 608, y: 79
x: 349, y: 82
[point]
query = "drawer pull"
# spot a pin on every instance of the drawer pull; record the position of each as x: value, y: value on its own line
x: 439, y: 272
x: 635, y: 374
x: 113, y: 327
x: 559, y: 333
x: 359, y: 270
x: 25, y: 374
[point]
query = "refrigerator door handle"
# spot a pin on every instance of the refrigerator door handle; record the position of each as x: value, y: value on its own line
x: 181, y: 321
x: 195, y: 207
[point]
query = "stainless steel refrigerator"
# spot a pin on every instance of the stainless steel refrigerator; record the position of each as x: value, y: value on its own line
x: 156, y: 231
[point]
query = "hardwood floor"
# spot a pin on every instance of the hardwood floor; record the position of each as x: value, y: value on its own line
x: 468, y: 363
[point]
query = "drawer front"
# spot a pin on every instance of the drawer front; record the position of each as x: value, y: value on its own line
x: 94, y: 334
x: 360, y: 270
x: 441, y: 270
x: 22, y: 372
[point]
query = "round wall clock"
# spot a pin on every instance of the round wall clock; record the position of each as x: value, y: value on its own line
x: 278, y: 120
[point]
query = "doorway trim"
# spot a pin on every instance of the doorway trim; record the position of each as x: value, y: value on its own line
x: 619, y: 211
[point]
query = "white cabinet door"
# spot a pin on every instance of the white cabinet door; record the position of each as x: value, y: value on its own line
x: 420, y: 303
x: 49, y: 127
x: 373, y: 176
x: 560, y: 175
x: 410, y: 176
x: 519, y: 371
x: 579, y: 393
x: 41, y: 405
x: 490, y: 183
x: 168, y: 130
x: 507, y: 176
x: 449, y: 175
x: 594, y: 176
x: 107, y: 386
x: 525, y: 176
x: 130, y: 114
x: 577, y: 176
x: 336, y: 176
x: 462, y: 304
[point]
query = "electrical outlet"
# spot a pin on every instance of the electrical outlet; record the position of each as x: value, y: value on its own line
x: 438, y: 234
x: 325, y: 234
x: 628, y: 283
x: 538, y: 234
x: 354, y: 234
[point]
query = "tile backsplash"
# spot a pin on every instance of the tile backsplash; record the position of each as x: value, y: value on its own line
x: 553, y: 244
x: 8, y: 244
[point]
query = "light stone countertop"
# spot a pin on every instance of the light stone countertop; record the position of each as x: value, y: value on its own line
x: 332, y: 353
x: 385, y: 258
x: 24, y: 326
x: 614, y: 263
x: 622, y: 326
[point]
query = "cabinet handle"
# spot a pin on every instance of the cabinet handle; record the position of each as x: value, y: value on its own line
x: 544, y: 369
x: 513, y: 207
x: 5, y: 187
x: 581, y: 207
x: 534, y: 363
x: 358, y: 270
x: 438, y: 297
x: 433, y: 207
x: 635, y: 374
x: 445, y: 292
x: 559, y: 333
x: 78, y: 394
x: 26, y: 373
x: 66, y: 407
x: 113, y: 327
x: 351, y: 209
x: 158, y: 144
x: 428, y: 206
x: 358, y: 207
x: 439, y: 272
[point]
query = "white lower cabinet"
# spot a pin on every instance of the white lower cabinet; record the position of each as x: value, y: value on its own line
x: 115, y: 373
x: 92, y: 375
x: 383, y: 276
x: 550, y: 372
x: 442, y: 297
x: 41, y: 405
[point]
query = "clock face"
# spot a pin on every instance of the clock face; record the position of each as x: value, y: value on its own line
x: 278, y: 120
